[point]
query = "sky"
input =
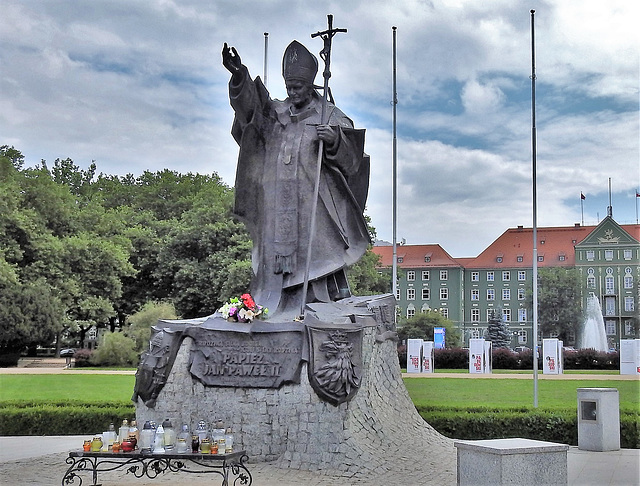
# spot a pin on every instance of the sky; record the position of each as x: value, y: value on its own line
x: 139, y: 85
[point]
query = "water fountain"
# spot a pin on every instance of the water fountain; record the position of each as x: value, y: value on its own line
x: 593, y: 334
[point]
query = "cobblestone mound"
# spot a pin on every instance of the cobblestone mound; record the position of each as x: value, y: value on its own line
x: 375, y: 434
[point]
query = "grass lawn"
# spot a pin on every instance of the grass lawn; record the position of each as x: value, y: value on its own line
x: 491, y: 392
x: 454, y: 392
x: 86, y: 388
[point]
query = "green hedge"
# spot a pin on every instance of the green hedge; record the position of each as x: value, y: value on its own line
x: 554, y: 426
x: 63, y: 418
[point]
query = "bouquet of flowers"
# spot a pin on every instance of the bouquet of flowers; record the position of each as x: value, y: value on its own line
x: 243, y: 309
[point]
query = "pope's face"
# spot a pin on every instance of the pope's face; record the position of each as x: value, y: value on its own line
x: 299, y: 93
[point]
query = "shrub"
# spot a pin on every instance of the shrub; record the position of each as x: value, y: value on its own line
x: 504, y: 359
x: 590, y: 359
x: 82, y: 358
x: 402, y: 355
x: 451, y: 358
x: 554, y: 426
x: 61, y: 418
x: 115, y: 349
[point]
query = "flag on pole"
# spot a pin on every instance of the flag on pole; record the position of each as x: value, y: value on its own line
x: 582, y: 196
x: 637, y: 194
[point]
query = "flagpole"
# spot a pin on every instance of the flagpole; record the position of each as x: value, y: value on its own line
x: 535, y: 216
x: 394, y: 265
x: 582, y: 208
x: 266, y: 50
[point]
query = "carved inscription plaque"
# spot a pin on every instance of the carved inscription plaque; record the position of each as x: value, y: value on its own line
x: 238, y: 359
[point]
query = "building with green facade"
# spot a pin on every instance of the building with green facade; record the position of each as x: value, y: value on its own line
x: 468, y: 290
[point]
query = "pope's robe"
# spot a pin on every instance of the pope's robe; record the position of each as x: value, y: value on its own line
x: 274, y: 187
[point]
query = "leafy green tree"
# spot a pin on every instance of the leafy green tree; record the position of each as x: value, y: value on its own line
x: 140, y: 323
x: 497, y: 330
x: 365, y: 278
x: 115, y: 349
x: 559, y: 306
x: 421, y: 326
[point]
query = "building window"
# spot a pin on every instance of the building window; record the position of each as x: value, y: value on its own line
x: 444, y: 293
x: 425, y: 275
x: 522, y: 315
x: 629, y: 304
x: 627, y: 254
x: 610, y: 306
x: 522, y: 275
x: 490, y: 276
x: 591, y: 282
x: 506, y: 315
x: 520, y: 258
x: 426, y: 293
x: 400, y: 259
x: 628, y: 281
x: 521, y: 293
x: 475, y: 294
x: 427, y: 258
x: 411, y: 275
x: 609, y: 287
x: 506, y: 294
x: 490, y: 312
x: 591, y: 255
x: 522, y: 337
x: 610, y: 327
x: 629, y: 328
x: 499, y: 259
x: 608, y: 255
x: 411, y: 294
x: 411, y: 311
x: 475, y: 276
x: 562, y: 258
x: 475, y: 315
x: 444, y: 274
x: 491, y: 294
x: 553, y: 334
x: 445, y: 312
x: 506, y: 276
x: 540, y: 258
x: 474, y: 334
x: 397, y: 294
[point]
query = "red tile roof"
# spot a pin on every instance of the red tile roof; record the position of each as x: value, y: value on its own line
x: 413, y: 256
x: 552, y: 244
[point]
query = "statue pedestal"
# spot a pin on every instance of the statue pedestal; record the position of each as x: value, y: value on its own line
x: 377, y: 429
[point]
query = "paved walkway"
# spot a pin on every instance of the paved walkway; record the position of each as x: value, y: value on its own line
x: 40, y: 461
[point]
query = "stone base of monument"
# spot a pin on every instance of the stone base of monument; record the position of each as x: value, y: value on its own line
x: 497, y: 462
x: 372, y: 429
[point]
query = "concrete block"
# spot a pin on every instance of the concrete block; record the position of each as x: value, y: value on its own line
x: 598, y: 419
x: 516, y: 461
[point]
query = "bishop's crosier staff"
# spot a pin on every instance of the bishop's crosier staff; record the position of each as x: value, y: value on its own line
x: 325, y: 54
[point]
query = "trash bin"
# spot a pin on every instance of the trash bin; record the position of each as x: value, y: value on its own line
x: 598, y: 419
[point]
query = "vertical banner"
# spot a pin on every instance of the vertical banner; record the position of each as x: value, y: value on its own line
x: 414, y: 346
x: 439, y: 337
x: 630, y: 357
x: 476, y: 355
x: 427, y: 356
x: 551, y: 357
x: 488, y: 358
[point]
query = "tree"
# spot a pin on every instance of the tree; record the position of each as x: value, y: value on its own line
x: 364, y: 277
x: 421, y: 326
x: 498, y: 331
x: 140, y: 323
x: 559, y: 306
